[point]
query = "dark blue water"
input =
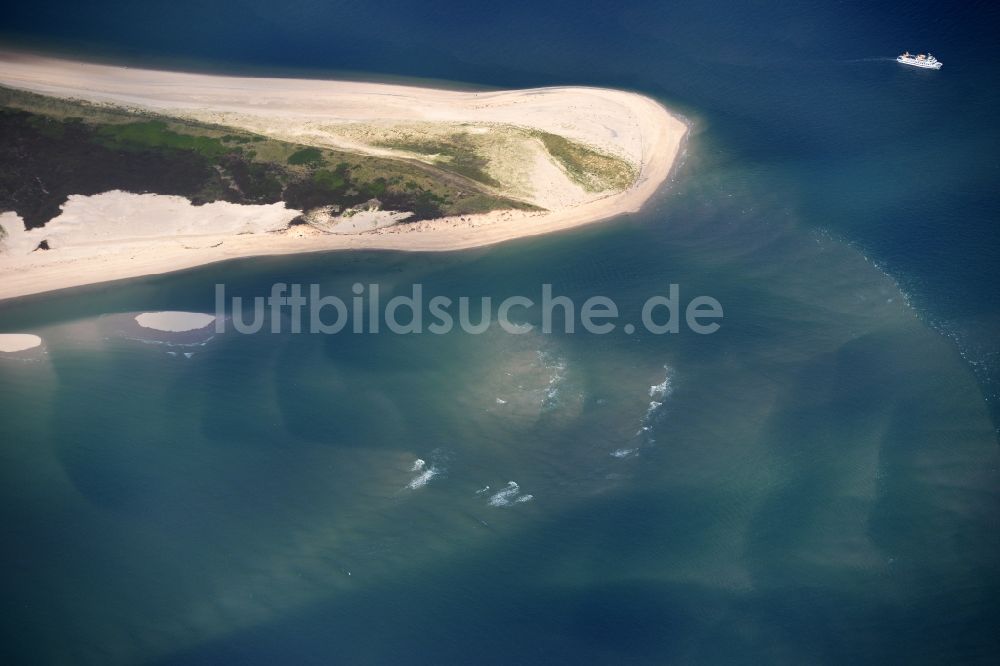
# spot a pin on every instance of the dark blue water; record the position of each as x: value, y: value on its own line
x: 900, y: 162
x: 821, y: 485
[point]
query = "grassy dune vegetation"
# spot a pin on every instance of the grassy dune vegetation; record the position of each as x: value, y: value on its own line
x: 594, y: 170
x: 53, y: 148
x: 455, y: 152
x: 487, y: 153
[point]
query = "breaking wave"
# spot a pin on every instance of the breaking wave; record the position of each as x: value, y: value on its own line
x: 658, y: 394
x: 557, y: 375
x: 437, y: 466
x: 422, y: 479
x: 511, y: 494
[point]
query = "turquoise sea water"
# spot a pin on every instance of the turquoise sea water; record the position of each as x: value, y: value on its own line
x: 815, y: 483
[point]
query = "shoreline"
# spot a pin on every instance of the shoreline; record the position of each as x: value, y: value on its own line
x: 621, y: 122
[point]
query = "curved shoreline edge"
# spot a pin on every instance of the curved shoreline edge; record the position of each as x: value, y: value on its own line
x: 661, y: 139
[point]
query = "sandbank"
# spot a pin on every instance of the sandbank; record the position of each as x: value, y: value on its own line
x: 15, y: 342
x: 621, y: 123
x: 174, y: 321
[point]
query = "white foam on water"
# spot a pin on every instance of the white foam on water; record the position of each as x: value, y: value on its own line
x: 423, y: 478
x: 644, y: 435
x: 519, y: 328
x: 659, y: 394
x: 501, y: 401
x: 524, y: 498
x: 418, y: 465
x: 482, y: 490
x: 166, y: 343
x: 663, y: 389
x: 557, y: 375
x: 503, y: 498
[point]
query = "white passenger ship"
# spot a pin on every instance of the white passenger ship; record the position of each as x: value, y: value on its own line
x: 926, y: 61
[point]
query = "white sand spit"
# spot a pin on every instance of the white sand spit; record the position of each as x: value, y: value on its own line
x: 174, y: 322
x: 124, y: 245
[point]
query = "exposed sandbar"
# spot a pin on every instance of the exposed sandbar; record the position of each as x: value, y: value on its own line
x: 173, y: 321
x: 16, y: 342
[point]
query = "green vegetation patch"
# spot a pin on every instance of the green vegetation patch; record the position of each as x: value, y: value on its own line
x: 44, y: 160
x: 454, y: 152
x: 594, y: 170
x: 156, y: 134
x: 240, y: 138
x: 469, y: 154
x: 306, y: 156
x: 53, y: 148
x: 332, y: 180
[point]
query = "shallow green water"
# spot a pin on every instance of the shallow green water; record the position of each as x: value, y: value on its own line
x: 819, y: 482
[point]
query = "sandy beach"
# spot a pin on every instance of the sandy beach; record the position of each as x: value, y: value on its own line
x: 625, y: 124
